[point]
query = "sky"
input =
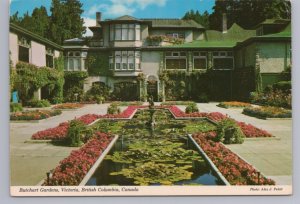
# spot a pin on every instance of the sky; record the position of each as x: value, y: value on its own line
x: 116, y: 8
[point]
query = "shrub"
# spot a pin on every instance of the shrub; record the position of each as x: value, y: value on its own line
x: 113, y: 109
x: 285, y: 86
x: 229, y: 132
x: 16, y: 107
x: 74, y: 134
x: 99, y: 92
x: 38, y: 103
x: 191, y: 108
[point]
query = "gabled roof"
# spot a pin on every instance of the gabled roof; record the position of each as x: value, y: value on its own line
x: 126, y: 18
x: 174, y: 23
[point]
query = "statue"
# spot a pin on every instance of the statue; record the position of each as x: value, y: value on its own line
x: 151, y: 103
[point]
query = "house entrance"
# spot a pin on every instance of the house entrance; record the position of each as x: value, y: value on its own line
x: 152, y: 87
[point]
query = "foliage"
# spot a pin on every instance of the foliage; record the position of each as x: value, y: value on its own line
x: 229, y: 132
x: 276, y: 98
x: 125, y: 91
x: 155, y: 173
x: 75, y: 133
x: 37, y: 23
x: 268, y: 112
x: 59, y: 132
x: 171, y: 103
x: 284, y: 86
x: 30, y: 78
x: 191, y: 108
x: 202, y: 19
x: 113, y: 109
x: 247, y: 14
x: 232, y: 167
x: 73, y: 169
x: 155, y: 40
x: 34, y: 115
x: 58, y: 90
x: 16, y: 107
x: 64, y: 21
x: 98, y: 63
x: 34, y: 103
x: 155, y: 151
x: 233, y: 104
x: 203, y: 98
x: 99, y: 93
x: 74, y: 85
x: 127, y: 103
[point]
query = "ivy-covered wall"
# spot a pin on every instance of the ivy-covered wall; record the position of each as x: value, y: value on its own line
x: 74, y: 85
x: 98, y: 63
x: 29, y: 78
x: 197, y: 85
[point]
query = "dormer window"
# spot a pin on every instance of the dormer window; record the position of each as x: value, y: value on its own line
x: 125, y: 32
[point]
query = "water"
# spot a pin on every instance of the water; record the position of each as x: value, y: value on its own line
x: 138, y: 133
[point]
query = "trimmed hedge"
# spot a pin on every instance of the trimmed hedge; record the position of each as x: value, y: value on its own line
x: 38, y: 103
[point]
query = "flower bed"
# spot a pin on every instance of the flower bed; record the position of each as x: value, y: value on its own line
x: 248, y: 129
x: 34, y: 115
x: 68, y: 106
x: 251, y: 131
x: 233, y: 168
x: 60, y: 132
x: 73, y: 169
x: 234, y: 104
x: 268, y: 112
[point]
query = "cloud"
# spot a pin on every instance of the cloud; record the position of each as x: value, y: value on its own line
x: 89, y: 22
x: 117, y: 8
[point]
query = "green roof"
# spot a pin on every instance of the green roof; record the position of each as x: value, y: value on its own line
x: 174, y: 23
x: 205, y: 44
x: 234, y: 33
x: 284, y: 33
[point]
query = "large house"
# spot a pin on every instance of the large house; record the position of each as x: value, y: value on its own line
x: 132, y: 46
x: 126, y: 49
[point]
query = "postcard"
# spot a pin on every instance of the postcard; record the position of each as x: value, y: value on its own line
x: 150, y: 98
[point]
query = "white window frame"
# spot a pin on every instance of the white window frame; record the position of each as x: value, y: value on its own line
x: 176, y: 57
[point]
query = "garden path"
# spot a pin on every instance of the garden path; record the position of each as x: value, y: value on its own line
x: 29, y: 162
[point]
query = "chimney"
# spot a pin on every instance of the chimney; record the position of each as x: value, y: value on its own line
x: 98, y: 18
x: 224, y: 23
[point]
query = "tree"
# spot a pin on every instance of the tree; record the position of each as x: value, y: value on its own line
x: 40, y: 20
x: 66, y: 21
x: 248, y: 13
x: 202, y: 19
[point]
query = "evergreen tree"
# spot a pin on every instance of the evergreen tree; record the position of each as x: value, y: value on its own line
x: 65, y: 20
x: 202, y: 19
x: 248, y: 13
x: 40, y: 21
